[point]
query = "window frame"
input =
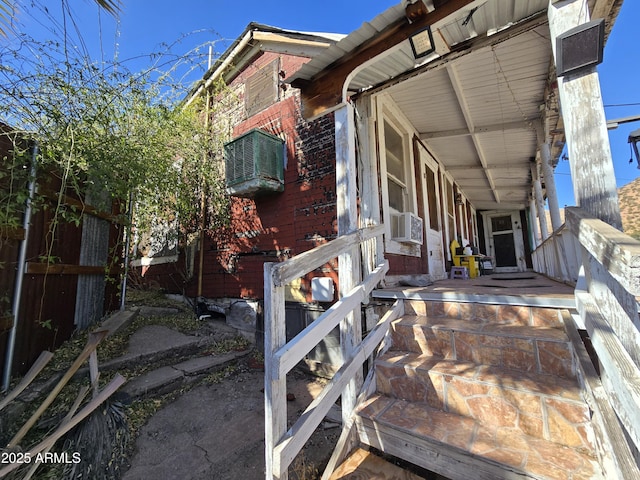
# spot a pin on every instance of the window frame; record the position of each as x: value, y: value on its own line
x: 388, y: 113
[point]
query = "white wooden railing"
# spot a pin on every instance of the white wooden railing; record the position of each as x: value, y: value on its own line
x: 606, y: 299
x: 282, y: 445
x: 559, y: 257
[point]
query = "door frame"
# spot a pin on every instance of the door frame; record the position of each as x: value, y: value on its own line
x: 518, y: 242
x: 437, y: 270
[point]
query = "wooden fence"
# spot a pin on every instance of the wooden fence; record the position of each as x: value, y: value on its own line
x: 64, y: 285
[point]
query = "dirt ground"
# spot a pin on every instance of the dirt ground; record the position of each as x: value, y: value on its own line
x: 217, y: 432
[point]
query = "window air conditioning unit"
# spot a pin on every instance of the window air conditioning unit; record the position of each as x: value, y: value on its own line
x: 407, y: 228
x: 254, y: 164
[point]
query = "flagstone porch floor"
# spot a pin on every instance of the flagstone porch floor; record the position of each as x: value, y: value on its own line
x: 524, y: 288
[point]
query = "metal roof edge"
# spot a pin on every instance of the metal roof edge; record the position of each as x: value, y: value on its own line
x: 241, y: 42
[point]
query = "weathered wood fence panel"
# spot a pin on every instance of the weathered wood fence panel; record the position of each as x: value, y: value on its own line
x: 51, y: 305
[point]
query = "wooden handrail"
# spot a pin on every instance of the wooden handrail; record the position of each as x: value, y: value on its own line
x: 281, y: 357
x: 300, y: 265
x: 619, y: 252
x: 288, y: 356
x: 608, y: 307
x: 299, y: 433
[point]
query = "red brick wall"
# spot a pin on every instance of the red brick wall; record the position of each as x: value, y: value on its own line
x: 276, y: 226
x: 271, y: 227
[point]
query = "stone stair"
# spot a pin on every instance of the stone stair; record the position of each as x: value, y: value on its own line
x: 481, y: 391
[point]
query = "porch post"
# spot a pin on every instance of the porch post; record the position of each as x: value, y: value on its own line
x: 594, y: 182
x: 533, y: 218
x: 549, y: 180
x: 550, y: 184
x: 542, y: 216
x: 348, y: 262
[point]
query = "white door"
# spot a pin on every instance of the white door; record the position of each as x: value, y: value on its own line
x: 504, y: 240
x: 432, y: 223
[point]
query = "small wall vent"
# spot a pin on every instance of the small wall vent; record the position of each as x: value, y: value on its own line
x: 254, y: 164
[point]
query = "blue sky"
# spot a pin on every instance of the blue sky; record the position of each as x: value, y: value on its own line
x: 147, y: 25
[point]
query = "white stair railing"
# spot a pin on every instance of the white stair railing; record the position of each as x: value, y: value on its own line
x: 282, y: 445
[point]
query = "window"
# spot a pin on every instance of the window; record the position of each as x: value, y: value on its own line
x: 432, y: 200
x: 396, y: 169
x: 405, y: 232
x: 261, y: 88
x: 450, y: 210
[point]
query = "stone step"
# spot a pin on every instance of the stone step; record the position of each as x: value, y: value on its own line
x: 538, y: 349
x: 542, y: 406
x: 488, y: 313
x: 460, y: 447
x: 363, y: 464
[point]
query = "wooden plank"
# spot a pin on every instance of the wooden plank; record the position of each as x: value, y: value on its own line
x: 37, y: 268
x: 617, y: 305
x: 33, y: 372
x: 12, y: 233
x: 622, y: 375
x: 612, y: 447
x: 286, y: 358
x: 295, y: 438
x: 363, y: 464
x: 618, y: 251
x: 373, y: 249
x: 48, y: 442
x: 436, y: 457
x: 94, y: 374
x: 67, y: 418
x: 92, y: 343
x: 298, y: 266
x: 349, y: 264
x: 275, y: 387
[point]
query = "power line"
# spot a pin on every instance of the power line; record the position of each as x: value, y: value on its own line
x: 622, y: 105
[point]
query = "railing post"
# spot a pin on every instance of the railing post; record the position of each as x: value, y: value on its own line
x: 275, y: 388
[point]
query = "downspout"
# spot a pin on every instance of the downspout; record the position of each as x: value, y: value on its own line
x: 127, y: 245
x: 202, y: 196
x: 22, y: 257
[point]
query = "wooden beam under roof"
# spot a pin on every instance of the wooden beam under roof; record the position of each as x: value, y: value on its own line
x: 460, y: 132
x: 324, y: 92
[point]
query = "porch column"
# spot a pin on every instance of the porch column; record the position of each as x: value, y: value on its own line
x: 549, y: 179
x: 533, y: 219
x: 550, y: 186
x: 348, y: 262
x: 594, y: 182
x: 539, y: 197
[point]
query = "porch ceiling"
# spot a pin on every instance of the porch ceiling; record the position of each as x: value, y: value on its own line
x: 478, y: 114
x: 477, y: 100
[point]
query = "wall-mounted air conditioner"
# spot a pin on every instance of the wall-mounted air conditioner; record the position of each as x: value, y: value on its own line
x: 254, y: 164
x: 406, y: 228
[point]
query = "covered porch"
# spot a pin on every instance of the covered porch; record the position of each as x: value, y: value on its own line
x: 456, y: 142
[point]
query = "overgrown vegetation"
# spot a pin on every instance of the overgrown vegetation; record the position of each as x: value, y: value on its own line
x: 105, y: 136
